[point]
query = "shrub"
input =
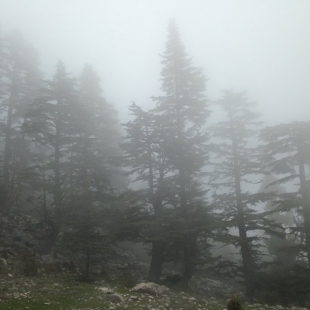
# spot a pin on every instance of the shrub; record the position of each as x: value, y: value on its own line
x: 29, y: 266
x: 234, y: 303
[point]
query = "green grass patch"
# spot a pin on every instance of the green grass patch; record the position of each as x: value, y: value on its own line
x: 52, y: 293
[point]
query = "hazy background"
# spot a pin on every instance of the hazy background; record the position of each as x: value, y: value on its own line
x: 262, y: 46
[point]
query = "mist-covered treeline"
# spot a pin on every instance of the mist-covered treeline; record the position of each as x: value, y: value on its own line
x: 67, y: 161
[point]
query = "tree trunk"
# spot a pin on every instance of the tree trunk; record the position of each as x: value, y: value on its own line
x: 189, y: 262
x: 158, y: 245
x: 87, y: 263
x: 57, y: 191
x: 245, y: 250
x: 7, y: 145
x: 189, y: 242
x: 156, y: 261
x: 304, y: 196
x: 8, y: 148
x: 44, y: 196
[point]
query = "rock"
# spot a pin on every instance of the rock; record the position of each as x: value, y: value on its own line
x: 150, y: 288
x: 105, y: 290
x: 102, y: 283
x: 115, y: 298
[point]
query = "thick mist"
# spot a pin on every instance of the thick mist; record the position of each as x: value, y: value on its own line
x: 259, y: 46
x: 155, y: 141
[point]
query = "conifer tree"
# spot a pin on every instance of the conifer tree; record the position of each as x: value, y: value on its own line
x: 144, y: 157
x: 235, y: 165
x: 92, y: 190
x: 49, y: 120
x: 287, y: 154
x: 2, y: 94
x: 83, y: 233
x: 19, y: 85
x: 182, y: 113
x: 276, y: 246
x: 2, y: 66
x: 96, y: 135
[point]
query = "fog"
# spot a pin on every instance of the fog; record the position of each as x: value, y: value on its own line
x: 259, y: 46
x: 224, y: 196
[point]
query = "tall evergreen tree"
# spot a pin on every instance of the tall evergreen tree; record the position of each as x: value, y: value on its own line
x: 2, y: 65
x: 96, y: 134
x: 182, y: 113
x: 49, y: 121
x: 275, y: 244
x: 2, y: 95
x: 144, y: 156
x: 20, y: 84
x: 287, y: 154
x: 91, y: 190
x: 235, y: 166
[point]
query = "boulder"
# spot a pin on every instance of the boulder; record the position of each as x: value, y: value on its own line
x: 150, y: 288
x: 106, y: 290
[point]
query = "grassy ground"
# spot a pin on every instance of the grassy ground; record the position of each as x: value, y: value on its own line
x: 53, y: 293
x: 63, y: 293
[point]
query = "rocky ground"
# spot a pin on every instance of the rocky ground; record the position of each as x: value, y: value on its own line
x: 64, y: 293
x: 35, y: 275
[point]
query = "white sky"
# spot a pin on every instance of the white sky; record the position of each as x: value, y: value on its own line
x: 262, y: 46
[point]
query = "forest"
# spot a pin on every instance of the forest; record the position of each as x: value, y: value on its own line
x: 230, y: 198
